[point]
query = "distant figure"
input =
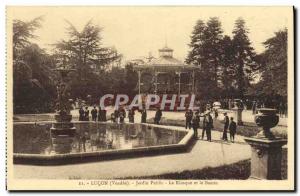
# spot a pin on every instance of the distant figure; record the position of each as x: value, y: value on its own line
x: 81, y: 114
x: 94, y: 113
x: 196, y: 121
x: 144, y: 116
x: 113, y: 117
x: 208, y: 125
x: 82, y: 141
x: 101, y: 115
x: 116, y: 115
x: 216, y: 113
x: 204, y: 126
x: 285, y: 108
x: 122, y: 115
x: 232, y: 129
x: 281, y: 109
x: 86, y: 114
x: 226, y: 125
x: 157, y: 117
x: 188, y: 119
x: 254, y: 105
x: 131, y: 115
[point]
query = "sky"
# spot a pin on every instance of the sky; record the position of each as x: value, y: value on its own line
x: 136, y: 31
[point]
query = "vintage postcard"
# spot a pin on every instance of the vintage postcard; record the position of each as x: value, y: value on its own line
x: 126, y: 98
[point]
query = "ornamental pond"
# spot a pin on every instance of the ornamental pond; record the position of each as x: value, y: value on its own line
x: 99, y: 141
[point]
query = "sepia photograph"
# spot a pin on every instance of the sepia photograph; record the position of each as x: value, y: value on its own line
x: 126, y: 98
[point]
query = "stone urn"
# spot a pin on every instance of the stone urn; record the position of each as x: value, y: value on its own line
x: 266, y: 118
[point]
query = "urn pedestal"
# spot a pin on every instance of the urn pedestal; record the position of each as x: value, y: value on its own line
x: 266, y: 149
x: 238, y: 115
x: 266, y: 158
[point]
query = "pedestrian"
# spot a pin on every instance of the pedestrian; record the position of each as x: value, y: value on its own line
x: 204, y: 126
x: 285, y: 109
x: 281, y: 109
x: 99, y: 114
x: 86, y: 114
x: 226, y: 125
x: 102, y: 113
x: 209, y: 126
x: 144, y: 116
x: 216, y: 113
x: 81, y: 114
x: 116, y: 115
x: 82, y: 141
x: 94, y: 113
x: 232, y: 129
x: 254, y: 105
x: 122, y: 115
x: 196, y: 121
x: 113, y: 117
x: 158, y: 116
x: 131, y: 115
x: 188, y: 119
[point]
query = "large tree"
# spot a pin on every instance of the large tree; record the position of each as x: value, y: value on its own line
x: 244, y: 57
x: 205, y: 52
x: 195, y: 55
x: 212, y: 51
x: 227, y: 67
x: 33, y: 89
x: 83, y: 50
x: 23, y: 33
x: 274, y: 65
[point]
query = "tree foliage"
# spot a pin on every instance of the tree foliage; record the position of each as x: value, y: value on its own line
x: 23, y: 32
x: 33, y: 79
x: 274, y: 65
x: 244, y: 57
x: 83, y: 51
x: 227, y: 65
x: 206, y: 53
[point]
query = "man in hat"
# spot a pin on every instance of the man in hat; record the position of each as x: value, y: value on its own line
x: 86, y: 114
x: 204, y: 125
x: 81, y: 114
x: 116, y: 115
x: 158, y: 115
x: 102, y: 114
x: 195, y: 122
x: 131, y: 115
x: 188, y: 119
x: 209, y: 126
x: 144, y: 115
x: 232, y: 129
x: 226, y: 125
x: 122, y: 114
x: 94, y: 114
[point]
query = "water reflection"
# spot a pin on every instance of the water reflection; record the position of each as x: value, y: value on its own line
x: 92, y: 137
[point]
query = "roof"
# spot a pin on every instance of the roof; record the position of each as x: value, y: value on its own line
x: 165, y: 62
x: 166, y: 49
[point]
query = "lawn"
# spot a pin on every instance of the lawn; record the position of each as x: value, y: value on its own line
x: 237, y: 171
